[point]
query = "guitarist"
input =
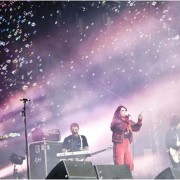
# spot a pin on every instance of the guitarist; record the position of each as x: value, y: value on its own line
x: 173, y: 141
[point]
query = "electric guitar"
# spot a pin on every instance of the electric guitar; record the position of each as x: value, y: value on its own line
x: 6, y: 136
x: 175, y: 155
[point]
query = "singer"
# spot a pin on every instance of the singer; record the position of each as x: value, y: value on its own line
x: 122, y: 136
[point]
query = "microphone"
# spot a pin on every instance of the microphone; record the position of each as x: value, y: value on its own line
x: 24, y: 99
x: 128, y: 115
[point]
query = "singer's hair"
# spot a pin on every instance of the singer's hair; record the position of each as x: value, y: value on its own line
x: 116, y: 113
x: 74, y: 125
x: 175, y: 120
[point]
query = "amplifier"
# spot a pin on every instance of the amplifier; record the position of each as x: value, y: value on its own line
x: 42, y: 158
x: 39, y: 134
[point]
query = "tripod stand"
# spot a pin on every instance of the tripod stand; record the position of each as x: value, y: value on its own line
x: 16, y: 160
x: 16, y: 175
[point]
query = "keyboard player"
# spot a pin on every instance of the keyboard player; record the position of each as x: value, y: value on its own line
x: 75, y: 142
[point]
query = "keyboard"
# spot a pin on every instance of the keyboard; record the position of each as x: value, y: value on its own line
x: 76, y: 154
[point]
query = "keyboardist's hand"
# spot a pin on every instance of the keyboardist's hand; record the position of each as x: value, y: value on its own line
x: 64, y: 150
x: 86, y: 148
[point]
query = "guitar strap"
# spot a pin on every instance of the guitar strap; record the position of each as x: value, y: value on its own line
x: 177, y: 139
x: 81, y: 144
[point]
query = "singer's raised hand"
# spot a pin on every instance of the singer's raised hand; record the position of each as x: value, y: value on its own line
x: 140, y: 116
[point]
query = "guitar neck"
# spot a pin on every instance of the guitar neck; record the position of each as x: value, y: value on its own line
x: 97, y: 152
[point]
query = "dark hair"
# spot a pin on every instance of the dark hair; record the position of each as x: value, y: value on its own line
x: 74, y: 125
x: 175, y: 121
x: 116, y: 113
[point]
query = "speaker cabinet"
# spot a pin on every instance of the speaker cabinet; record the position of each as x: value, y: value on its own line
x: 73, y: 170
x: 113, y: 172
x: 42, y: 157
x: 169, y: 173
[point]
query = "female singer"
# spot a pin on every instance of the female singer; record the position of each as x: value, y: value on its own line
x: 122, y: 137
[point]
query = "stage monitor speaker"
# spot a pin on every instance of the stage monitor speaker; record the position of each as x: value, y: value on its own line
x: 169, y: 173
x: 113, y: 172
x: 73, y: 170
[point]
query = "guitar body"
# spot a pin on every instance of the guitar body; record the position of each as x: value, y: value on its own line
x: 9, y: 135
x: 175, y: 155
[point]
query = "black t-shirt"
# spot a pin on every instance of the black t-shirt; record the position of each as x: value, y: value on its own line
x: 74, y: 143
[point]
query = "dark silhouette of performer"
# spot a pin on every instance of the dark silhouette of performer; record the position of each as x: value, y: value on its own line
x: 173, y: 141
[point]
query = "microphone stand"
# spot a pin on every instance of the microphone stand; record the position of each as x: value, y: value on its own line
x: 24, y: 118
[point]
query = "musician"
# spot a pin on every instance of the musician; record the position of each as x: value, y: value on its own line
x: 75, y: 142
x: 122, y: 128
x: 173, y: 141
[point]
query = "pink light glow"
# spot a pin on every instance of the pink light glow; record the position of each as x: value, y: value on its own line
x: 133, y: 60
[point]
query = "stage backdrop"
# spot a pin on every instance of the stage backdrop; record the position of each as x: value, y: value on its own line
x: 78, y: 61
